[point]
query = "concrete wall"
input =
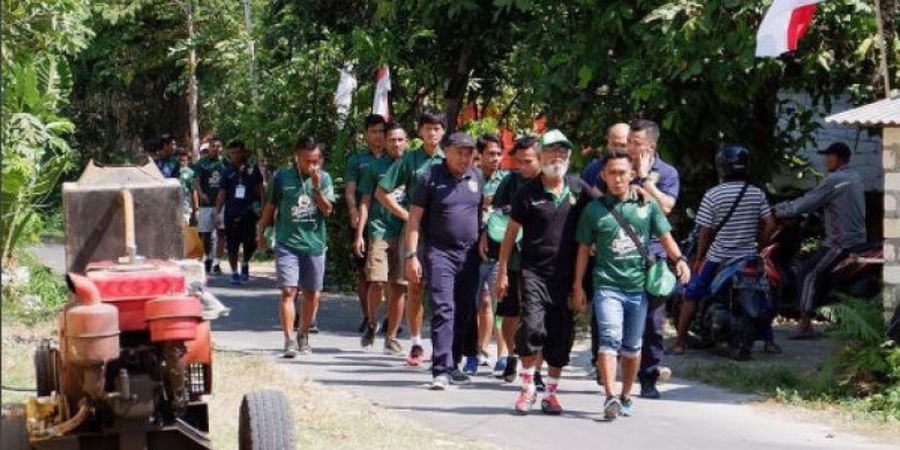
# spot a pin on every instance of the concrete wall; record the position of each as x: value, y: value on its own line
x: 891, y: 163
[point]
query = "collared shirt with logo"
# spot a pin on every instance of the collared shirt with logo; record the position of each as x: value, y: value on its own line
x: 299, y: 224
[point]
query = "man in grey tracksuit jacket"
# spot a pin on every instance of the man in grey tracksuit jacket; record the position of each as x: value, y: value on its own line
x: 841, y: 195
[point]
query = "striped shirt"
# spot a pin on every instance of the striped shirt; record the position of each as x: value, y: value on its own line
x: 738, y: 236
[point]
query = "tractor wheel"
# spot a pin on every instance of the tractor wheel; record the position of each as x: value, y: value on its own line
x: 13, y: 434
x: 265, y: 422
x: 46, y: 366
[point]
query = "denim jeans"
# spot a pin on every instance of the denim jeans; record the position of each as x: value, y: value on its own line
x: 620, y: 320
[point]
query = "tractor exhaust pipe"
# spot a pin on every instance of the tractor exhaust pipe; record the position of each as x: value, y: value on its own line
x: 131, y: 256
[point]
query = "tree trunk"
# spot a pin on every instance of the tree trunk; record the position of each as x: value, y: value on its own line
x: 193, y: 96
x: 459, y: 82
x: 254, y: 86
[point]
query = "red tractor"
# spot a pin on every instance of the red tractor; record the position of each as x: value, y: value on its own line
x: 133, y: 362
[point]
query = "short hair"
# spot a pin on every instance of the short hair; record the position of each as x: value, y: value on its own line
x: 372, y: 120
x: 486, y: 139
x: 213, y: 138
x: 237, y: 143
x: 430, y: 117
x: 152, y: 145
x: 306, y: 144
x: 165, y: 138
x: 611, y: 155
x: 648, y: 126
x: 524, y: 142
x: 391, y: 126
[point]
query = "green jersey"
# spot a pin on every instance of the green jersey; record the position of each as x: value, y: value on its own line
x: 491, y: 184
x: 408, y: 169
x: 186, y: 177
x: 503, y: 196
x: 618, y: 263
x: 209, y: 171
x: 299, y: 224
x: 381, y: 224
x: 357, y: 165
x: 169, y: 167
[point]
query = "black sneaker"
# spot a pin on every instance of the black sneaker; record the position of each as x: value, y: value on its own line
x: 458, y: 377
x: 384, y: 326
x: 539, y: 384
x: 313, y: 328
x: 648, y: 390
x: 362, y: 325
x: 217, y: 269
x: 207, y: 266
x: 368, y: 338
x: 509, y: 375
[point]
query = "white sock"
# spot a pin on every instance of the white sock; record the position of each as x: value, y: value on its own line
x: 416, y: 340
x: 528, y: 379
x: 552, y: 386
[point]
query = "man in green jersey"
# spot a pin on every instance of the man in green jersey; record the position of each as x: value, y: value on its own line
x: 189, y: 198
x: 208, y: 173
x: 618, y: 225
x: 299, y: 199
x: 406, y: 172
x: 357, y: 165
x: 384, y: 259
x: 167, y: 159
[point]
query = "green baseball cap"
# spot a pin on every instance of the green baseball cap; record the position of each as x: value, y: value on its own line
x: 555, y: 137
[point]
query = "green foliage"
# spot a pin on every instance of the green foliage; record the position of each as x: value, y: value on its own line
x: 37, y: 38
x: 31, y: 292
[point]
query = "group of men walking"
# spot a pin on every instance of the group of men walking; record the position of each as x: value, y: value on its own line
x: 512, y: 253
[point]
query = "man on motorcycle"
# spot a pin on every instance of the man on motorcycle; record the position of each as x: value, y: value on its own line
x: 730, y: 217
x: 841, y: 196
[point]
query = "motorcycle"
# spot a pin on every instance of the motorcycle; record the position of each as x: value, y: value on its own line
x: 857, y: 275
x: 737, y: 311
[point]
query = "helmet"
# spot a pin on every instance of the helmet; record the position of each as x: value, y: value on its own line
x: 732, y: 161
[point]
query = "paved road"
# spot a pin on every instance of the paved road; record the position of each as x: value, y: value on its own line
x: 691, y: 415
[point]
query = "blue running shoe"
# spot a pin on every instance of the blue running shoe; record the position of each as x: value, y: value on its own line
x: 235, y: 279
x: 471, y: 367
x: 627, y: 406
x: 499, y: 367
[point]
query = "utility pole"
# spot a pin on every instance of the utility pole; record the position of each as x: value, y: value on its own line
x: 254, y: 85
x: 193, y: 96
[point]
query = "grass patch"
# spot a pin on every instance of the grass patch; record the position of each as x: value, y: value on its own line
x: 32, y: 293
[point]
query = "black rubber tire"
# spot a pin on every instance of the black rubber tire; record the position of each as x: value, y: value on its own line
x: 266, y: 422
x: 13, y: 433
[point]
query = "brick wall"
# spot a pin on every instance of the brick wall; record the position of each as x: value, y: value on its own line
x: 891, y: 218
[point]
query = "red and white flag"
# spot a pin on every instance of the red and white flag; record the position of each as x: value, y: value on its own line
x: 785, y: 23
x: 380, y: 105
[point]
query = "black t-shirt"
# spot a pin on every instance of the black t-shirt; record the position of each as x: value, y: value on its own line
x: 548, y: 245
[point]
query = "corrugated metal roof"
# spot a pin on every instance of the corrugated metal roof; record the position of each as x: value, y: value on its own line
x: 881, y: 113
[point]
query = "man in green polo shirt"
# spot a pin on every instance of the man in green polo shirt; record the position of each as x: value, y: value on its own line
x: 406, y: 172
x: 384, y: 258
x: 208, y: 173
x: 300, y: 198
x: 620, y: 271
x: 357, y: 165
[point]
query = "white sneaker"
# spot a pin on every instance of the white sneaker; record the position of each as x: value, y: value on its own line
x: 440, y: 382
x: 664, y: 374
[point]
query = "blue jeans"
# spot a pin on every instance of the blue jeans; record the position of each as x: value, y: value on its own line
x: 620, y: 320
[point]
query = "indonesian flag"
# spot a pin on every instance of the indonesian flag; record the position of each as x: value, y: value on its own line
x: 785, y: 23
x: 380, y: 105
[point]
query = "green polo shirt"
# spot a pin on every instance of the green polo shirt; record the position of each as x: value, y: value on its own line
x: 210, y: 172
x: 490, y: 185
x: 299, y: 224
x: 357, y: 165
x: 186, y: 178
x: 618, y: 263
x: 382, y: 224
x: 408, y: 169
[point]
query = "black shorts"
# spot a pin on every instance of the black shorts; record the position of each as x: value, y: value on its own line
x: 359, y: 263
x: 509, y: 307
x: 241, y: 231
x: 546, y: 323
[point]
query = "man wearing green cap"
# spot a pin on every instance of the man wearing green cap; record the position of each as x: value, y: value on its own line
x: 620, y: 226
x: 546, y: 209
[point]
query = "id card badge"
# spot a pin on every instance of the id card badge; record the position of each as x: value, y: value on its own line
x: 240, y: 191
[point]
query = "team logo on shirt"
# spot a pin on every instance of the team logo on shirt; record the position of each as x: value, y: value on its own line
x: 214, y: 179
x: 643, y: 211
x: 304, y: 210
x: 399, y: 194
x: 622, y: 245
x: 572, y: 199
x: 473, y: 185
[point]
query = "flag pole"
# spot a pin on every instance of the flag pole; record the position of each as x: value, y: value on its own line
x: 882, y: 44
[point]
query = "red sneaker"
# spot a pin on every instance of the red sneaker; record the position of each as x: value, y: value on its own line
x: 550, y: 405
x: 416, y: 355
x: 525, y: 401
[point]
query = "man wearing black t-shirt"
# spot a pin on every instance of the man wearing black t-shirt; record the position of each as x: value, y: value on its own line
x: 546, y: 209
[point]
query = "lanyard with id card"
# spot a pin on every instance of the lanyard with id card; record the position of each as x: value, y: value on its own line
x: 240, y: 191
